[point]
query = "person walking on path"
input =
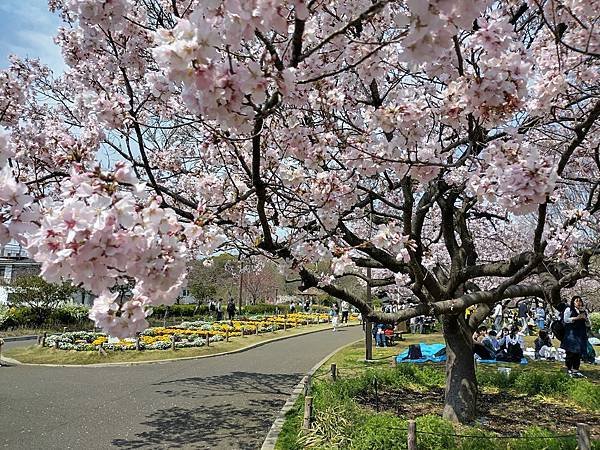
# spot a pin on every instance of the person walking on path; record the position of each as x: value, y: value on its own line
x: 230, y: 308
x: 292, y: 307
x: 345, y: 311
x: 335, y: 315
x: 574, y: 342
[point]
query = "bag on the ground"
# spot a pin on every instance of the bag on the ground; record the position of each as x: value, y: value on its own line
x: 440, y: 352
x: 414, y: 352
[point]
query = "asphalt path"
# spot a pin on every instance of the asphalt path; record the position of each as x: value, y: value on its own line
x: 226, y: 402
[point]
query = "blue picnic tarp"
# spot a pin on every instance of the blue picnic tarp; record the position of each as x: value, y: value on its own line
x: 427, y: 350
x: 494, y: 361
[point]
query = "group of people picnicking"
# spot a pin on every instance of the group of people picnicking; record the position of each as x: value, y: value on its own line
x: 504, y: 341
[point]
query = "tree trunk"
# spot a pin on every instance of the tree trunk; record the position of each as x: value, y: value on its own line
x: 461, y: 384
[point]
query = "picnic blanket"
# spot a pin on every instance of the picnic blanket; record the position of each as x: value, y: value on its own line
x: 495, y: 361
x: 427, y: 350
x: 430, y: 350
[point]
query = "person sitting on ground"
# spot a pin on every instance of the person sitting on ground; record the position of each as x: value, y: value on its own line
x: 479, y: 333
x: 544, y: 348
x: 503, y: 333
x: 478, y: 348
x: 490, y: 342
x: 388, y: 332
x: 512, y: 346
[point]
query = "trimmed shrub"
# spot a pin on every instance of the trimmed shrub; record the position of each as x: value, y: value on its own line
x: 69, y: 315
x: 191, y: 310
x: 262, y: 308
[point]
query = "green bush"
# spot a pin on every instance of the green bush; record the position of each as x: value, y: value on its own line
x: 69, y: 315
x: 595, y: 319
x: 379, y: 431
x: 476, y: 439
x: 434, y: 433
x: 536, y: 382
x: 262, y: 308
x: 192, y: 310
x: 4, y: 315
x: 491, y: 377
x: 22, y: 316
x: 535, y: 438
x: 585, y: 393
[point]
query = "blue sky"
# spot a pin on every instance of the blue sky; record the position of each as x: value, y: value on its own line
x: 27, y: 29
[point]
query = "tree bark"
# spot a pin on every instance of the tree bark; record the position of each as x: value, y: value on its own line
x: 461, y: 383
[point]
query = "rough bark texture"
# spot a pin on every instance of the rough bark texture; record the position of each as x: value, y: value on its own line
x: 461, y: 384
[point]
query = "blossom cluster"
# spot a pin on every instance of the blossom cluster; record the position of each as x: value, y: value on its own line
x: 516, y: 175
x: 100, y: 235
x: 17, y: 209
x: 433, y: 23
x: 496, y: 87
x: 197, y: 54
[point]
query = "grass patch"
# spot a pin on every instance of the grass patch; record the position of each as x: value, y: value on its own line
x: 538, y: 402
x: 38, y: 355
x: 288, y: 437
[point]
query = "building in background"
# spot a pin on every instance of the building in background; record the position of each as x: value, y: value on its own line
x: 15, y: 262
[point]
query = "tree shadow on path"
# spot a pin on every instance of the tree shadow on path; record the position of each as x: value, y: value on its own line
x: 236, y: 412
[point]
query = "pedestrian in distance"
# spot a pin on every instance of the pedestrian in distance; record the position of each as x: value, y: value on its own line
x: 345, y: 311
x: 230, y: 308
x: 497, y: 316
x: 219, y: 310
x: 335, y: 316
x: 540, y: 317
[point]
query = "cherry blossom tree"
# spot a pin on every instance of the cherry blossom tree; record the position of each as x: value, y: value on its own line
x: 450, y: 146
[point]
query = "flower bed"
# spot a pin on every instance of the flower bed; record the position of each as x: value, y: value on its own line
x: 187, y: 334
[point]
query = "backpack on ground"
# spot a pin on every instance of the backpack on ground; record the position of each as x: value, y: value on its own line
x: 414, y: 352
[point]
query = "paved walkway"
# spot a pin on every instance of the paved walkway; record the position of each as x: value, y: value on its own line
x: 226, y: 402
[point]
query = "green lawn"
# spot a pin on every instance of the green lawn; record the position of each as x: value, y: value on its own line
x: 370, y: 403
x: 38, y: 355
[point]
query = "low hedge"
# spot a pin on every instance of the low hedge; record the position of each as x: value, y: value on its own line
x: 182, y: 310
x: 58, y: 317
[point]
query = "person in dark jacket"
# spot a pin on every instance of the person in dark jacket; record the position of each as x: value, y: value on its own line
x: 574, y: 342
x: 230, y: 308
